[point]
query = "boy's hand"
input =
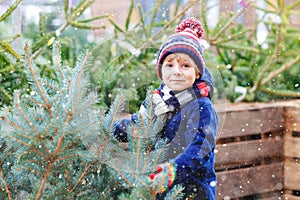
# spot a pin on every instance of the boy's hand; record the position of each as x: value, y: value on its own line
x: 163, y: 177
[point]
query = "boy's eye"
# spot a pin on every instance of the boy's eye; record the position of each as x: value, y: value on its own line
x: 168, y: 65
x: 185, y: 66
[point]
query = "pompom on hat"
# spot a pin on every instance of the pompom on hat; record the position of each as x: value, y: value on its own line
x: 185, y: 40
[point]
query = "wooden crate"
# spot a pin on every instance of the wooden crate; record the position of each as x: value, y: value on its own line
x: 292, y: 154
x: 256, y: 157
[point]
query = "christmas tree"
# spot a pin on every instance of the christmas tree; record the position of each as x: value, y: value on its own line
x: 56, y: 143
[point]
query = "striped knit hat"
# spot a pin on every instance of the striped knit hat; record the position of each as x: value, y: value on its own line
x: 185, y: 40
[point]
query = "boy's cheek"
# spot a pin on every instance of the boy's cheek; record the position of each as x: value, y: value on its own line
x: 165, y: 76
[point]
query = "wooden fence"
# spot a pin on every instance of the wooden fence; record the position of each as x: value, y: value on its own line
x: 258, y: 151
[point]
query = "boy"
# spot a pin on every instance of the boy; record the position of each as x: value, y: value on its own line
x: 191, y: 125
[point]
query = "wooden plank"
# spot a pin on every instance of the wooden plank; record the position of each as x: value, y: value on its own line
x: 292, y: 147
x: 248, y: 152
x: 227, y: 107
x: 291, y: 175
x: 292, y: 116
x: 248, y: 181
x: 249, y: 122
x: 290, y: 197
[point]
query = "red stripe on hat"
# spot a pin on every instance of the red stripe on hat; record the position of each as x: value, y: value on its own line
x: 189, y: 33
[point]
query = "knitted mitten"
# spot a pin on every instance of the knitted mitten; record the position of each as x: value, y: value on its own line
x: 163, y: 177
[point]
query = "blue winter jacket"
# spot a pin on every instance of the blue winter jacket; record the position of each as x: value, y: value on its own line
x: 191, y: 132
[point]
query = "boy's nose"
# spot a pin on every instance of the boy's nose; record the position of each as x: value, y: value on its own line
x: 176, y: 69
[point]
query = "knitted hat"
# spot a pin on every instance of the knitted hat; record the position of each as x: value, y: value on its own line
x: 185, y: 40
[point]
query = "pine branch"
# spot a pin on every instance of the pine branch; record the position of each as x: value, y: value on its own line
x: 282, y: 93
x: 24, y: 136
x: 31, y: 161
x: 175, y: 193
x: 142, y: 21
x: 148, y: 149
x: 72, y: 145
x: 93, y: 18
x: 60, y: 141
x: 155, y: 10
x: 13, y: 124
x: 262, y: 71
x: 57, y: 56
x: 30, y: 147
x: 31, y: 126
x: 116, y: 26
x: 178, y: 16
x: 34, y: 101
x: 137, y: 149
x: 137, y: 177
x: 114, y: 112
x: 81, y: 176
x: 88, y: 103
x: 51, y: 161
x: 62, y: 158
x: 159, y: 154
x: 44, y: 180
x: 68, y: 178
x: 10, y: 10
x: 10, y: 50
x: 77, y: 24
x: 129, y: 15
x: 47, y: 128
x: 71, y: 20
x: 81, y: 6
x: 281, y: 69
x: 79, y: 73
x: 126, y: 180
x: 230, y: 22
x: 151, y: 114
x: 6, y: 187
x: 47, y: 105
x: 232, y: 38
x: 49, y: 85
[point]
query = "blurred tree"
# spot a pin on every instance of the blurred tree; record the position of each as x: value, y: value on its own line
x: 251, y: 70
x: 254, y: 69
x: 41, y: 36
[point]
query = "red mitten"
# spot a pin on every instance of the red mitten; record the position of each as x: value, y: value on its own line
x: 164, y: 176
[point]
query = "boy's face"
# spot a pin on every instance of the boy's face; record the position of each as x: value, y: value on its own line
x: 179, y: 71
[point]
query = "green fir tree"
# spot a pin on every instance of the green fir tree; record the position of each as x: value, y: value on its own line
x: 56, y: 144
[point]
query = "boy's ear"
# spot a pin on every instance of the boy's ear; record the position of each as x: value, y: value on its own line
x: 197, y: 74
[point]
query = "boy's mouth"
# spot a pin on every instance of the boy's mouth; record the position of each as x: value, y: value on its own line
x: 177, y: 80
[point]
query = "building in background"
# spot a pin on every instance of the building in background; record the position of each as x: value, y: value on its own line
x: 29, y: 12
x: 119, y: 10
